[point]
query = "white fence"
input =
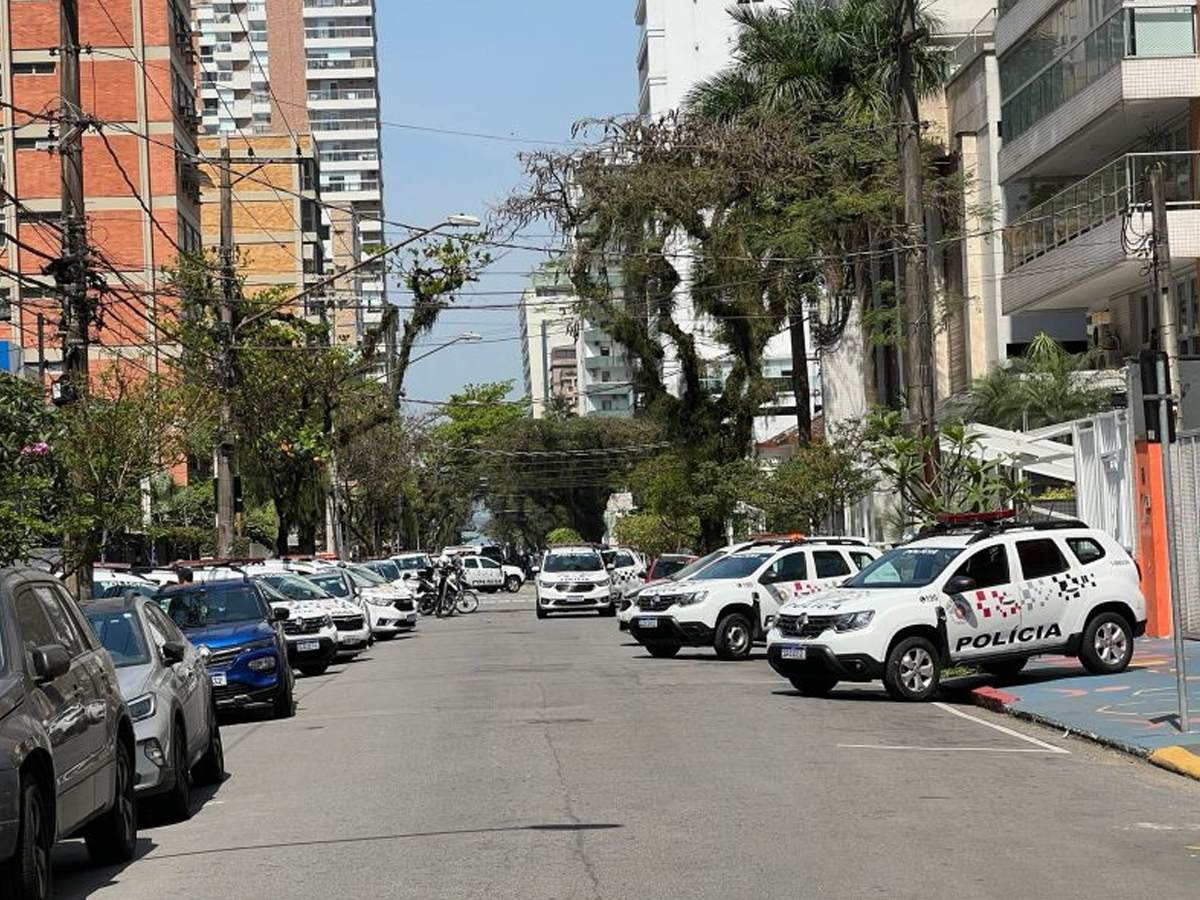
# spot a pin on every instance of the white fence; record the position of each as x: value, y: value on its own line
x: 1104, y: 475
x: 1185, y: 543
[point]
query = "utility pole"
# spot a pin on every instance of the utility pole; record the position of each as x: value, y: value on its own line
x: 917, y: 302
x: 1166, y: 382
x: 800, y: 386
x: 70, y: 272
x: 225, y: 443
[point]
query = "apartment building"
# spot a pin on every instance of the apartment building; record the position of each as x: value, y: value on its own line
x: 1096, y: 93
x: 549, y: 335
x: 305, y: 66
x: 141, y: 183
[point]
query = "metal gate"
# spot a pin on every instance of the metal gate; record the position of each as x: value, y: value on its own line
x: 1185, y: 543
x: 1104, y: 488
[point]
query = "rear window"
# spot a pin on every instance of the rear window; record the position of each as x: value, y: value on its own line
x: 1086, y: 550
x: 120, y: 632
x: 830, y: 564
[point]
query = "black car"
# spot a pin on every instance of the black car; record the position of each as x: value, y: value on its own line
x: 66, y: 738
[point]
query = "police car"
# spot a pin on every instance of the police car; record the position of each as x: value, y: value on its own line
x: 573, y: 579
x: 626, y: 569
x: 989, y: 592
x: 731, y: 603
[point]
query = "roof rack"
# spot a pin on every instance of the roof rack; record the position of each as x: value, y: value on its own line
x: 988, y: 525
x: 800, y: 539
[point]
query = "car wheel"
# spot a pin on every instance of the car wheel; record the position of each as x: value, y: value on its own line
x: 1107, y: 644
x: 662, y: 649
x: 735, y: 637
x: 912, y: 671
x: 610, y: 610
x: 26, y: 875
x: 112, y: 838
x: 541, y: 611
x: 211, y: 768
x: 310, y: 671
x: 813, y: 684
x: 512, y: 584
x: 178, y: 803
x: 284, y: 706
x: 1005, y: 668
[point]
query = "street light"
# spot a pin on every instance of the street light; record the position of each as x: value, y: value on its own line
x: 469, y: 337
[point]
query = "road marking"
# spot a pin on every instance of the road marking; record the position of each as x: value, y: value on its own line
x: 1002, y: 729
x: 949, y: 749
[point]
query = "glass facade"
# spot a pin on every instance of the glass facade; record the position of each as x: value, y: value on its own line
x: 1076, y: 44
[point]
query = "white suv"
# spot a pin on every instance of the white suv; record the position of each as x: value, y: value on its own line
x: 731, y: 603
x: 573, y: 579
x: 990, y: 595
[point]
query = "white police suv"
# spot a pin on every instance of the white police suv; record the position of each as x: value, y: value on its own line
x: 991, y: 593
x: 731, y: 603
x: 573, y: 579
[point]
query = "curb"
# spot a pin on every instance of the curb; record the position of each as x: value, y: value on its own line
x: 1178, y: 760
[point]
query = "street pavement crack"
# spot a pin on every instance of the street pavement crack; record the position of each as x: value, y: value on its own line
x: 579, y: 846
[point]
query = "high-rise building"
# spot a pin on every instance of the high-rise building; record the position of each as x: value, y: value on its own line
x: 549, y: 326
x: 296, y: 66
x: 141, y: 184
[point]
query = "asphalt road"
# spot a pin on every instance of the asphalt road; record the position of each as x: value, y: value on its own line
x: 497, y: 756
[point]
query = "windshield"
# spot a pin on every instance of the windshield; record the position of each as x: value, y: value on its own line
x: 574, y: 562
x: 293, y: 587
x: 668, y: 566
x: 202, y: 606
x: 332, y: 582
x: 739, y: 565
x: 905, y: 567
x: 384, y: 569
x: 702, y: 563
x: 408, y: 563
x: 121, y: 634
x: 118, y: 589
x: 364, y: 577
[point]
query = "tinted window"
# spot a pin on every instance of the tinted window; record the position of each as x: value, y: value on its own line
x: 121, y: 634
x: 471, y: 563
x: 293, y: 587
x: 987, y: 568
x: 166, y: 626
x: 624, y: 559
x: 33, y: 622
x: 203, y: 606
x: 787, y: 568
x: 386, y: 570
x: 1086, y: 550
x: 1040, y: 558
x: 861, y: 560
x: 364, y: 577
x: 331, y: 582
x: 830, y: 564
x: 739, y: 565
x: 666, y: 567
x: 408, y: 563
x: 574, y: 562
x: 906, y: 567
x: 60, y: 620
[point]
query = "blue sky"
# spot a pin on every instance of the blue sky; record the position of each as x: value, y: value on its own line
x: 518, y: 68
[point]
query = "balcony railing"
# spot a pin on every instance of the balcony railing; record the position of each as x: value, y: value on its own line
x: 363, y: 93
x: 1103, y: 196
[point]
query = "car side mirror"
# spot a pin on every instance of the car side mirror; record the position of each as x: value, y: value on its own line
x: 959, y: 584
x: 280, y: 613
x: 173, y: 652
x: 50, y: 662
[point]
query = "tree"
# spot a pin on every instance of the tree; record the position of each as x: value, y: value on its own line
x: 1045, y: 387
x: 563, y: 535
x: 684, y: 489
x: 655, y: 535
x: 29, y: 471
x: 807, y: 492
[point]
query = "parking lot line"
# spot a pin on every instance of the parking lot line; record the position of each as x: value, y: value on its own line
x: 1002, y: 729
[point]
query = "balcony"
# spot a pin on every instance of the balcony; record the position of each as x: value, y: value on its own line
x: 1136, y: 69
x: 1081, y: 247
x: 611, y: 363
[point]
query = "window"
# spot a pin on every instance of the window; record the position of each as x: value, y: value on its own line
x: 861, y: 560
x: 1040, y: 558
x: 39, y: 67
x: 987, y: 568
x: 1086, y: 550
x: 60, y: 620
x: 162, y: 624
x: 471, y: 563
x: 489, y: 564
x: 792, y: 567
x: 830, y: 564
x: 121, y: 635
x: 33, y: 622
x: 5, y: 302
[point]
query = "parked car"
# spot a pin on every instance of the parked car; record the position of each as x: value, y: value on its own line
x: 247, y: 649
x: 115, y: 582
x: 349, y: 621
x: 311, y: 636
x: 66, y: 737
x: 390, y: 609
x: 165, y: 683
x: 628, y: 604
x: 667, y: 564
x: 625, y: 567
x: 413, y: 563
x: 988, y: 594
x: 574, y: 579
x: 732, y: 603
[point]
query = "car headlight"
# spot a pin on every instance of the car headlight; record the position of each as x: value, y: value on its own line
x: 262, y: 664
x: 607, y: 582
x: 853, y: 621
x: 545, y: 582
x: 689, y: 599
x: 142, y: 707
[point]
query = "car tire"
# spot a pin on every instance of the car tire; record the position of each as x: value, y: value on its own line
x: 609, y: 611
x: 512, y: 584
x: 541, y: 610
x: 27, y: 874
x: 913, y: 671
x: 313, y: 671
x: 1006, y: 668
x: 735, y: 637
x: 112, y: 838
x: 284, y: 706
x: 1107, y: 644
x: 211, y: 768
x: 663, y: 649
x: 814, y: 684
x: 178, y: 803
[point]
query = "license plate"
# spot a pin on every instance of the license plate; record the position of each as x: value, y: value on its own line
x: 219, y: 679
x: 793, y: 653
x: 306, y: 646
x: 647, y: 623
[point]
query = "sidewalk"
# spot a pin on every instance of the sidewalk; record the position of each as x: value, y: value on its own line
x: 1135, y: 711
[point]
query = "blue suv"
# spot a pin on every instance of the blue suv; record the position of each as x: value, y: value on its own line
x: 247, y: 651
